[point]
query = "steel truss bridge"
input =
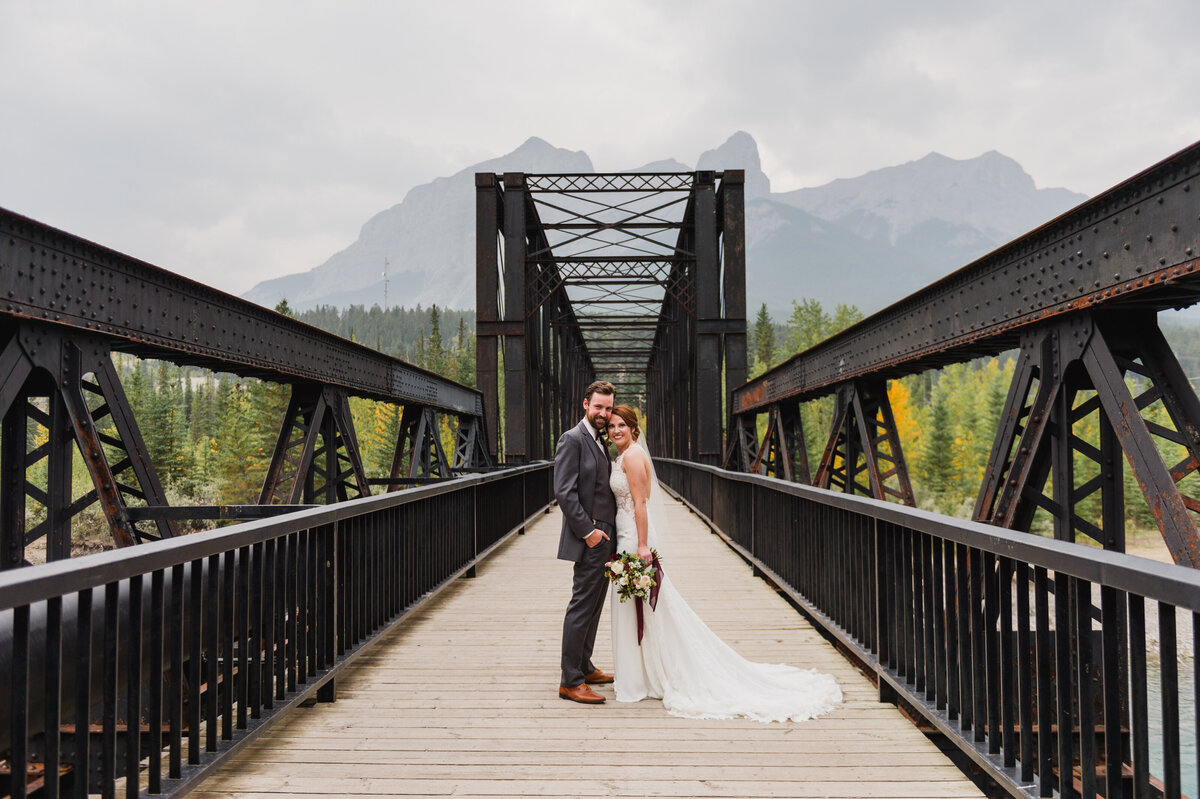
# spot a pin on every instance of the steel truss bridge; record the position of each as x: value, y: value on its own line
x: 146, y: 667
x: 637, y: 278
x: 1078, y: 299
x: 66, y: 305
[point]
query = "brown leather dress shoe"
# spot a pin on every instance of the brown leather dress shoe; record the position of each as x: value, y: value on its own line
x: 598, y: 677
x: 580, y: 693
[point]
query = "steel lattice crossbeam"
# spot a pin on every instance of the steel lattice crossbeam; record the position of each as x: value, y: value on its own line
x: 615, y: 276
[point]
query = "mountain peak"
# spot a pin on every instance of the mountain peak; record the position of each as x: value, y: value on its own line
x: 989, y: 194
x: 866, y: 240
x: 739, y: 151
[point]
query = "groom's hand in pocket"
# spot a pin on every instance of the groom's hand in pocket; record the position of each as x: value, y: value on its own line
x: 595, y: 537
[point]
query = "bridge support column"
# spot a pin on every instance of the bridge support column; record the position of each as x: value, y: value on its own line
x: 46, y: 376
x: 783, y: 453
x: 863, y: 438
x: 516, y: 410
x: 317, y: 423
x: 731, y: 204
x: 487, y: 295
x: 1045, y: 435
x: 741, y: 451
x: 470, y: 448
x: 706, y: 422
x: 419, y: 452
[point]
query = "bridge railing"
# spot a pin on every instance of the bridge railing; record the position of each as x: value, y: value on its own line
x: 979, y: 629
x: 147, y: 666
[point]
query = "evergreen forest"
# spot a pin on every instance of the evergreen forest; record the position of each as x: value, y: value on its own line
x: 211, y: 435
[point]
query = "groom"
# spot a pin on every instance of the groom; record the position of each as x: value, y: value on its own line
x: 581, y: 472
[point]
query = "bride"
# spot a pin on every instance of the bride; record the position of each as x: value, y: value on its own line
x: 680, y: 660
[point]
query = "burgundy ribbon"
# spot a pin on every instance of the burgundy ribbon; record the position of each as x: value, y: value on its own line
x: 637, y: 600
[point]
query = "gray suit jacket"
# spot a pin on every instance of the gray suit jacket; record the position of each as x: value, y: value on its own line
x: 581, y: 472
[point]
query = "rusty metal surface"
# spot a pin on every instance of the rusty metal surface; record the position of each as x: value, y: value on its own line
x: 1136, y: 245
x: 1079, y: 366
x: 54, y: 277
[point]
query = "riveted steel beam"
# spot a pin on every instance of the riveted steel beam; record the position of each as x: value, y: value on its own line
x: 1134, y: 246
x: 63, y: 280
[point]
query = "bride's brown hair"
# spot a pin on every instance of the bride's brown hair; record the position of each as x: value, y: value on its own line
x: 631, y: 419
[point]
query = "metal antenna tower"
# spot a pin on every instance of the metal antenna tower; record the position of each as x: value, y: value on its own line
x: 385, y: 282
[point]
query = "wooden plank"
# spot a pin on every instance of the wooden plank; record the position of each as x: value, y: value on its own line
x: 462, y: 699
x: 243, y: 785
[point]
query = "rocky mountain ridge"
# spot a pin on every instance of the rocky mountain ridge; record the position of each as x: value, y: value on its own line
x: 868, y: 240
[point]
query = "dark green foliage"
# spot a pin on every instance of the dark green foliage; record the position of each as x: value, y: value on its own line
x: 211, y: 436
x: 937, y: 465
x: 402, y: 332
x: 762, y: 349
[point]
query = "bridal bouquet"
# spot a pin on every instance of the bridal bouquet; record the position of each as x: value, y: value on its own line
x: 635, y: 578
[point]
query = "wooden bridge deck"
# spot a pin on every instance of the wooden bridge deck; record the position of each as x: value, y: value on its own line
x: 461, y: 700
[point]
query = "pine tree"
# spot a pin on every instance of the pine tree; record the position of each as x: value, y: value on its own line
x: 233, y: 447
x: 157, y: 416
x: 462, y: 366
x: 435, y: 355
x: 937, y: 456
x: 763, y: 349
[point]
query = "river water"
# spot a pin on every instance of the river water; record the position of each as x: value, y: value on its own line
x: 1187, y: 722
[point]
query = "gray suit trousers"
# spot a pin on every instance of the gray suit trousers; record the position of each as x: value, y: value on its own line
x: 588, y: 591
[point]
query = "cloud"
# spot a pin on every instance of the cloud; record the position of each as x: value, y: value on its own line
x: 237, y: 141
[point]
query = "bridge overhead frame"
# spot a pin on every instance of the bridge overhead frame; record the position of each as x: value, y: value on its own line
x: 66, y: 305
x: 636, y: 278
x: 1078, y: 296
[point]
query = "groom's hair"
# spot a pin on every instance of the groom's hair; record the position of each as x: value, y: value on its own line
x: 599, y: 387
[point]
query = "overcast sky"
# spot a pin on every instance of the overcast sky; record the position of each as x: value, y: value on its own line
x: 237, y: 141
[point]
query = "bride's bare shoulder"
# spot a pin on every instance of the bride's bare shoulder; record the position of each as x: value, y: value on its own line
x: 636, y: 461
x: 634, y: 456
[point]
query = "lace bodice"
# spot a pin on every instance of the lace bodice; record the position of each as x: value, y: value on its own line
x: 627, y: 538
x: 619, y: 483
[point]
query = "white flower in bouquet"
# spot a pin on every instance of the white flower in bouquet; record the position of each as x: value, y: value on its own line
x: 623, y: 581
x: 617, y: 567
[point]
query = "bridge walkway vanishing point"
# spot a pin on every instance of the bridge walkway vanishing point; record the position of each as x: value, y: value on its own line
x: 461, y: 700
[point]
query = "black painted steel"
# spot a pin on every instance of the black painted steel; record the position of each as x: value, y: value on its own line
x: 1081, y: 365
x: 1136, y: 245
x: 1078, y: 295
x: 635, y: 278
x: 863, y: 440
x: 261, y: 616
x: 63, y: 280
x: 1040, y: 704
x: 66, y: 305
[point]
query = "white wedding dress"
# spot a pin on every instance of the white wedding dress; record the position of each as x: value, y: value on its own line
x: 682, y: 662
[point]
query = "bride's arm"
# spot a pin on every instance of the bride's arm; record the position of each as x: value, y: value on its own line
x: 638, y: 473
